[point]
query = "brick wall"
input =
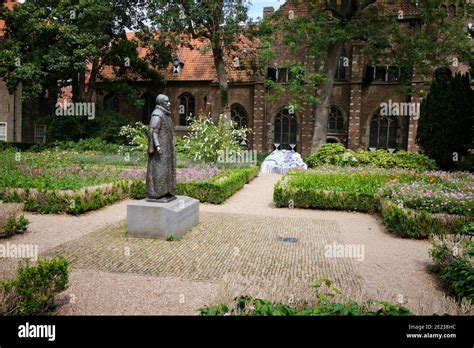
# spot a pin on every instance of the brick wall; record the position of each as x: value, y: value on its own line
x: 11, y: 112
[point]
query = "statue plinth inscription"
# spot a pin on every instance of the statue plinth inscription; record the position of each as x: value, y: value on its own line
x: 162, y: 214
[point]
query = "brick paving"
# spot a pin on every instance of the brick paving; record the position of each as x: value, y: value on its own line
x: 222, y: 243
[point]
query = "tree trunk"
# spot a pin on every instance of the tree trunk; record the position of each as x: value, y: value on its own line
x: 222, y: 77
x: 91, y: 83
x: 321, y: 113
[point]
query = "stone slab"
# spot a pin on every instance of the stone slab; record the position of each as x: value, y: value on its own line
x: 161, y: 220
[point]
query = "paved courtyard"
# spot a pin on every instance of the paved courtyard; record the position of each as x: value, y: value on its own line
x: 222, y: 243
x: 239, y: 247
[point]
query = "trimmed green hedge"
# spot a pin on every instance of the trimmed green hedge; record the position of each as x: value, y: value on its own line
x: 353, y: 191
x: 324, y: 199
x: 70, y: 202
x: 410, y: 223
x: 333, y: 191
x: 215, y: 191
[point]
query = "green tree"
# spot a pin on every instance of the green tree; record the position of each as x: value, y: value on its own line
x: 222, y: 23
x: 383, y: 34
x: 51, y: 44
x: 445, y: 126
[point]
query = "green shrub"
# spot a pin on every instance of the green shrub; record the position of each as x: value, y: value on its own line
x: 330, y: 154
x: 326, y: 305
x: 15, y: 225
x: 411, y: 223
x: 207, y: 138
x: 136, y: 136
x: 33, y: 290
x: 82, y: 145
x: 105, y: 125
x: 409, y: 203
x: 329, y: 190
x: 453, y: 256
x: 215, y: 191
x: 70, y: 202
x: 261, y: 157
x: 337, y: 154
x: 467, y: 163
x: 446, y: 117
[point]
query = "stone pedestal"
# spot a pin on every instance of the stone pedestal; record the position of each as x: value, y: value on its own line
x: 161, y: 220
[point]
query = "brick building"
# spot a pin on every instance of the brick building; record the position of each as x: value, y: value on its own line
x: 10, y: 103
x: 192, y: 85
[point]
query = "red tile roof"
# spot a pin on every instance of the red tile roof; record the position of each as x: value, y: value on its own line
x: 9, y: 5
x: 199, y: 63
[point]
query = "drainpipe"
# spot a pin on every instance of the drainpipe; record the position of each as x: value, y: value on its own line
x: 14, y: 116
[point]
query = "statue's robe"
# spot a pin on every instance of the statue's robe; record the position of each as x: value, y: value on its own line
x: 161, y: 173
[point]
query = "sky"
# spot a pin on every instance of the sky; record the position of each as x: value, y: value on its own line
x: 256, y: 8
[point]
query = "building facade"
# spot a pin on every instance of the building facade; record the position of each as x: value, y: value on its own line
x: 355, y: 118
x: 10, y: 103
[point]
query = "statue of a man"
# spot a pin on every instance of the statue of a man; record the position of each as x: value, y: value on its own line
x: 161, y: 171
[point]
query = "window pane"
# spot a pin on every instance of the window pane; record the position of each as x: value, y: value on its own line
x: 374, y: 130
x: 393, y: 73
x: 271, y: 74
x: 383, y: 133
x: 392, y: 136
x: 282, y: 75
x: 380, y: 72
x: 3, y: 132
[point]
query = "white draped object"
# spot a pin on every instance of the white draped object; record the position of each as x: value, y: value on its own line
x: 281, y: 161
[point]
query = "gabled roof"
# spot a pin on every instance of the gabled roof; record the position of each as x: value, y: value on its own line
x: 198, y: 62
x: 9, y: 4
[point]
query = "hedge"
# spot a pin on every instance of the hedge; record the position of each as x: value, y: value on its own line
x: 410, y: 223
x: 303, y: 190
x: 324, y: 199
x: 70, y: 202
x: 215, y: 191
x: 453, y: 257
x: 34, y: 290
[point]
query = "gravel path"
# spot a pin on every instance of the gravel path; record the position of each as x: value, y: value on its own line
x: 392, y: 268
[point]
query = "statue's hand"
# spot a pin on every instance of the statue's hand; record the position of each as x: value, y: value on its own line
x: 158, y: 150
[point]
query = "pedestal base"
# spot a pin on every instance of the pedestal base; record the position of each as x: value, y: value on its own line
x: 162, y: 220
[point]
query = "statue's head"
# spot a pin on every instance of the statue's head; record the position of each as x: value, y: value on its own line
x: 163, y: 101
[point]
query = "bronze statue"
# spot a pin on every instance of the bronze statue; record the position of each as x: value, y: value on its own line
x: 161, y: 171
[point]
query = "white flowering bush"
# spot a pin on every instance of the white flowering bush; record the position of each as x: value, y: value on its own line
x: 136, y: 135
x: 207, y: 138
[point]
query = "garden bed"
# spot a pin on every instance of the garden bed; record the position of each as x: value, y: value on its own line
x: 411, y: 204
x: 54, y: 182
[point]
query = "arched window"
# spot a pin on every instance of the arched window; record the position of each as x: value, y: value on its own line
x: 383, y: 132
x: 452, y: 11
x: 112, y: 103
x: 186, y: 108
x: 286, y: 128
x: 342, y: 66
x: 148, y: 107
x: 239, y: 115
x: 336, y: 121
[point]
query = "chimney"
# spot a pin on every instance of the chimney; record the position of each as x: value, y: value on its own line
x: 268, y: 11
